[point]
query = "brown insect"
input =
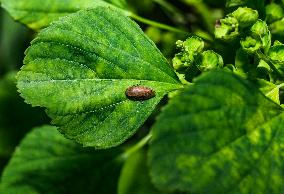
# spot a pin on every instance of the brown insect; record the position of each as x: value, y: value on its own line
x: 139, y: 93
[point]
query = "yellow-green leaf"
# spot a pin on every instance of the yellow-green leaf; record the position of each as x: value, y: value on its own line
x: 79, y: 69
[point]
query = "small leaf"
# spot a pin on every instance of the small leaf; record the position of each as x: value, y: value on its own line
x: 79, y: 69
x: 134, y: 177
x: 37, y: 14
x: 270, y: 90
x: 220, y: 135
x: 46, y: 162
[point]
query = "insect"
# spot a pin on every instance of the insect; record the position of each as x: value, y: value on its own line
x: 139, y: 93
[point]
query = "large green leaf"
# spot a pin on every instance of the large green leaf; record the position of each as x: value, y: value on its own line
x: 46, y: 162
x: 220, y: 135
x: 38, y: 14
x: 79, y: 69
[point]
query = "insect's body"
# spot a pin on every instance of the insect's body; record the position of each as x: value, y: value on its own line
x: 139, y: 93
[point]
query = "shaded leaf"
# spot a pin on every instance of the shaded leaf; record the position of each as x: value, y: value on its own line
x: 220, y: 135
x: 38, y: 14
x: 79, y: 69
x: 14, y: 38
x: 134, y: 177
x: 46, y: 162
x: 16, y: 117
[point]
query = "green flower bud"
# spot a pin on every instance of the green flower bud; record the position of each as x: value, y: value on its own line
x: 191, y: 45
x: 250, y: 45
x: 260, y: 30
x: 274, y: 12
x: 189, y: 50
x: 245, y: 16
x: 209, y: 60
x: 259, y: 38
x: 227, y: 30
x: 178, y: 64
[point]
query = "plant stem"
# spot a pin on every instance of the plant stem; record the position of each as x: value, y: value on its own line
x: 204, y: 12
x: 204, y: 35
x: 176, y: 14
x: 135, y: 148
x: 156, y: 24
x: 167, y: 6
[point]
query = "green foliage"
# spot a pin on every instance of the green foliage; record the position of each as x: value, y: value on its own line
x: 13, y: 37
x: 46, y: 162
x: 209, y: 60
x: 254, y: 4
x: 228, y: 29
x: 226, y: 136
x: 218, y: 131
x: 245, y: 16
x: 192, y: 60
x: 190, y: 48
x: 37, y: 14
x: 259, y: 38
x: 90, y: 58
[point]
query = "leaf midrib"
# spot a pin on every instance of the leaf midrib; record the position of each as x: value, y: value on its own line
x: 99, y: 80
